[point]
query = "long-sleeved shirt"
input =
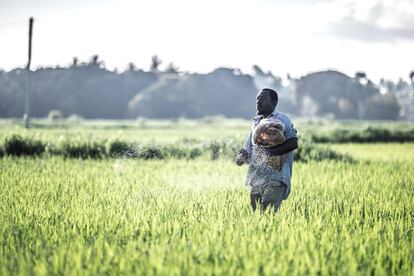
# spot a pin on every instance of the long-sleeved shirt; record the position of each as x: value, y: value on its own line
x: 259, y: 172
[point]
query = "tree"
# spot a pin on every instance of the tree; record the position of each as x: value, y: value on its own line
x: 155, y: 63
x: 220, y: 92
x: 257, y: 70
x: 401, y: 84
x: 382, y: 107
x: 94, y: 59
x: 132, y: 67
x: 361, y: 77
x: 171, y: 69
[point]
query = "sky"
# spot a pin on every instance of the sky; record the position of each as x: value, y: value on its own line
x: 295, y: 37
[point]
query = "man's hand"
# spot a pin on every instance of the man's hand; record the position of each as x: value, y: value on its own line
x: 242, y: 158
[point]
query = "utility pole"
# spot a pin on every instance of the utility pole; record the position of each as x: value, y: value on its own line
x: 26, y: 116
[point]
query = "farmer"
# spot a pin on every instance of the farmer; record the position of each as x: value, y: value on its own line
x: 269, y: 186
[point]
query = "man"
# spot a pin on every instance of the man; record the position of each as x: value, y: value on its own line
x: 269, y: 187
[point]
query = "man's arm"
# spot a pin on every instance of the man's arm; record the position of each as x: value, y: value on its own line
x: 287, y: 146
x: 242, y: 158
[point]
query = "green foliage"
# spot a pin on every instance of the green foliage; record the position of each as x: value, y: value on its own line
x: 195, y: 153
x: 214, y: 148
x: 85, y: 89
x: 118, y: 148
x: 188, y: 139
x: 225, y: 149
x: 221, y: 93
x: 366, y: 135
x: 20, y: 146
x: 177, y: 152
x: 309, y: 151
x: 382, y: 107
x: 151, y: 152
x: 91, y: 91
x: 85, y: 148
x: 80, y: 149
x: 55, y: 115
x: 74, y: 118
x: 332, y: 92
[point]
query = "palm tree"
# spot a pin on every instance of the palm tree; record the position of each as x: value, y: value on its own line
x: 94, y: 59
x: 155, y: 63
x: 171, y: 68
x: 361, y: 77
x: 75, y: 61
x: 131, y: 67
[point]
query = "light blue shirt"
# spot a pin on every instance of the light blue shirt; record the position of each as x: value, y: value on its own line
x: 260, y: 173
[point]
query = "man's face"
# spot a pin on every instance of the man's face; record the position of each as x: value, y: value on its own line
x: 264, y: 104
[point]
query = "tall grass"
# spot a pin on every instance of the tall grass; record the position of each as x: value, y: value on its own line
x: 179, y: 217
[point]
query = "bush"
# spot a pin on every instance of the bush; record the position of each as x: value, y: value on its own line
x: 19, y: 146
x: 382, y: 107
x: 151, y: 152
x: 176, y: 152
x: 367, y: 135
x: 377, y: 134
x: 231, y: 149
x: 214, y: 148
x: 74, y: 118
x: 81, y: 149
x: 117, y: 148
x: 195, y: 153
x: 309, y: 151
x: 54, y: 115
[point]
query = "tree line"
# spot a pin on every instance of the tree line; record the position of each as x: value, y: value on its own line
x: 89, y: 90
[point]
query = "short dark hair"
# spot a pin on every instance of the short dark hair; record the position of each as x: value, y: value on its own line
x: 273, y: 94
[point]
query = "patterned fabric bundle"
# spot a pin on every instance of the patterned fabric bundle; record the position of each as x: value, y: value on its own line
x: 269, y: 133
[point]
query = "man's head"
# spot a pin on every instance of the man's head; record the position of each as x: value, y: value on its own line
x: 266, y: 102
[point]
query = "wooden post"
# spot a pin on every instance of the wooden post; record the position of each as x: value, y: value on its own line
x: 28, y: 84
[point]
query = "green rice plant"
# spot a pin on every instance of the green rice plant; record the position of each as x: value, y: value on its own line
x: 192, y: 217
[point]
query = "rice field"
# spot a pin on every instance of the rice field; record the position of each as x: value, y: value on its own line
x: 192, y: 217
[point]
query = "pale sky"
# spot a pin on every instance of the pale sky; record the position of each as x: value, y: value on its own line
x: 296, y: 36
